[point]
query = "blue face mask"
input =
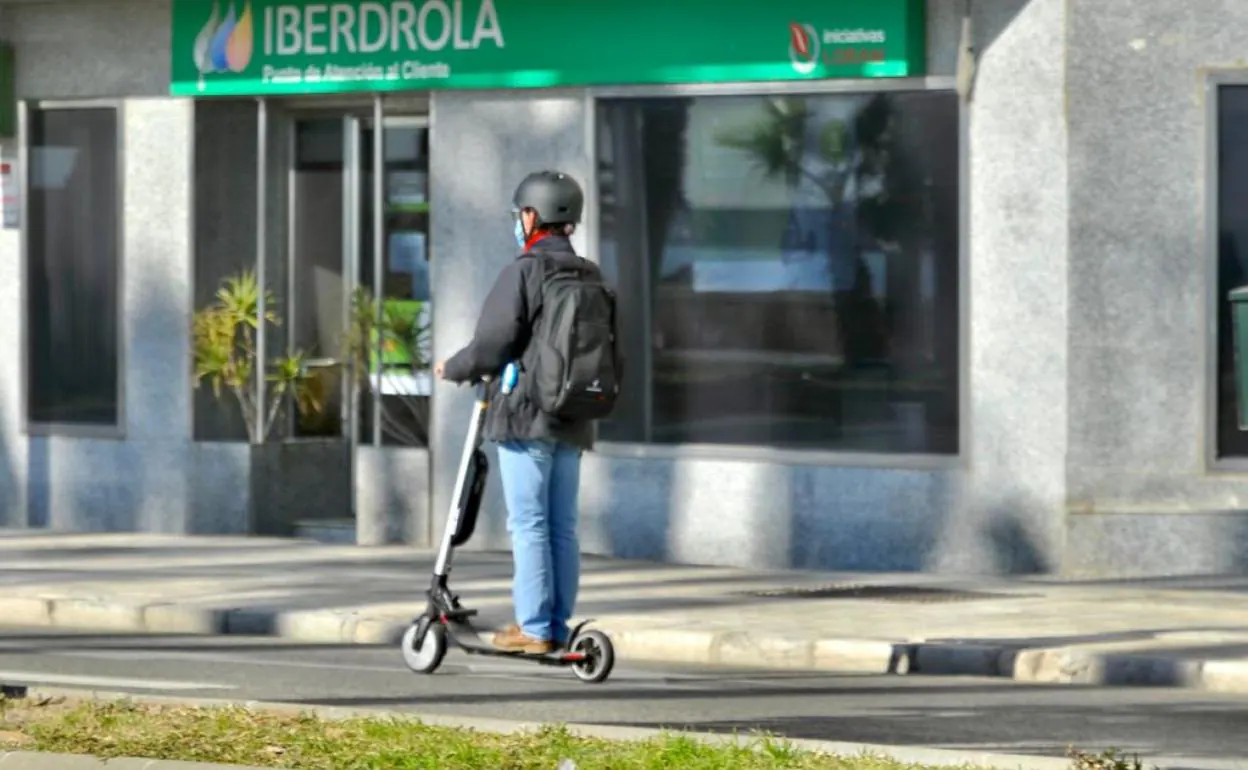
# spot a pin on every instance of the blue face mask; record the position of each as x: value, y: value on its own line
x: 520, y: 239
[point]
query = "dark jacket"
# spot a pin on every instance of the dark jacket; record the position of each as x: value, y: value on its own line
x: 502, y: 335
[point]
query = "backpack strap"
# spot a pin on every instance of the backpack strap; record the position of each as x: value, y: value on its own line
x: 548, y: 268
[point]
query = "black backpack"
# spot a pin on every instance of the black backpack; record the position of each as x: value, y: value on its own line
x: 574, y: 366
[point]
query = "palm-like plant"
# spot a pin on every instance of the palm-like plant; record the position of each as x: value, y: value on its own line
x: 366, y: 318
x: 404, y: 330
x: 224, y: 338
x: 864, y: 151
x: 861, y: 156
x: 387, y: 327
x: 777, y: 145
x: 380, y: 333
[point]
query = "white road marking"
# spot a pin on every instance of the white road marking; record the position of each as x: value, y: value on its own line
x: 217, y: 658
x: 506, y: 670
x: 111, y: 682
x: 511, y: 671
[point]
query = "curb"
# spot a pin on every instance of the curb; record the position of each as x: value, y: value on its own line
x: 917, y: 755
x: 1074, y: 664
x: 33, y: 760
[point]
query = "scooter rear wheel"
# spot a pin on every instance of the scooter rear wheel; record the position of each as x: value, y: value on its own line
x: 432, y: 648
x: 599, y: 657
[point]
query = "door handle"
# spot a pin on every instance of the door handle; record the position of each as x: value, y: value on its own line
x: 320, y: 363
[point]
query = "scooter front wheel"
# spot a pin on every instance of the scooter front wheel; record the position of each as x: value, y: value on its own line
x: 423, y: 656
x: 599, y: 657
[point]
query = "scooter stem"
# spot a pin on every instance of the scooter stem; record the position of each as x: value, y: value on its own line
x: 442, y: 567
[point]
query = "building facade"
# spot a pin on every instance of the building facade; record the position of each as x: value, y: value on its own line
x: 904, y: 285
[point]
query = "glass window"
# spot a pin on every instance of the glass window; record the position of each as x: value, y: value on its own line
x: 72, y: 267
x: 225, y: 235
x: 1232, y: 171
x: 787, y: 269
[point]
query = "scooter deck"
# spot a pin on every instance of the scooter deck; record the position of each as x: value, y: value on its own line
x: 558, y: 657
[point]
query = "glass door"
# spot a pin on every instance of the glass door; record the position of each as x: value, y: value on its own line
x: 359, y: 308
x: 326, y: 231
x: 394, y: 268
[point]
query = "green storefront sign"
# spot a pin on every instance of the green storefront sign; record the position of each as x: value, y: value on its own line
x: 240, y: 47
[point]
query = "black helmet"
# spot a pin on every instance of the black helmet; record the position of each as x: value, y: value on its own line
x: 555, y: 196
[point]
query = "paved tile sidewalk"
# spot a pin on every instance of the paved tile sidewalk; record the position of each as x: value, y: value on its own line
x: 1183, y: 633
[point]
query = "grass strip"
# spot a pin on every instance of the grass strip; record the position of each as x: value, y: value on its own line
x: 237, y: 735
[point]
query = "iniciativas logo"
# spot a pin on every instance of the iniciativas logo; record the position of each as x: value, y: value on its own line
x: 803, y: 47
x: 225, y: 44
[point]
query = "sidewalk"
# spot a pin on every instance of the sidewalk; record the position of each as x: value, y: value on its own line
x: 1179, y: 633
x: 19, y: 760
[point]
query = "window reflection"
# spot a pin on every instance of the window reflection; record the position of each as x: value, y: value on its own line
x: 72, y: 268
x: 1232, y: 252
x: 787, y: 269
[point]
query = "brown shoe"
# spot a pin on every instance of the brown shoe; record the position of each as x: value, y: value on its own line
x: 512, y: 639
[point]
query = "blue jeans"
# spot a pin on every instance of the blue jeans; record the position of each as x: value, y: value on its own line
x: 540, y: 484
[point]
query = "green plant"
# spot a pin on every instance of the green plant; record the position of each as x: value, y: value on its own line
x: 385, y: 330
x: 1108, y: 759
x: 777, y: 145
x: 365, y: 317
x: 404, y: 328
x: 385, y: 342
x: 866, y: 152
x: 859, y: 160
x: 259, y: 737
x: 224, y: 337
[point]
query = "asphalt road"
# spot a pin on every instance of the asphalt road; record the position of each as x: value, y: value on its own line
x: 942, y: 712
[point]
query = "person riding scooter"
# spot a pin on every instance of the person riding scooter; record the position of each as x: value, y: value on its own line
x: 543, y: 426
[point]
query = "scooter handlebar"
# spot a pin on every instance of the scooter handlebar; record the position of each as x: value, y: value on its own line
x: 480, y: 384
x: 509, y: 376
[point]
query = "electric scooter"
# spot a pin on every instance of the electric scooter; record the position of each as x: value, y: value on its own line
x: 589, y: 654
